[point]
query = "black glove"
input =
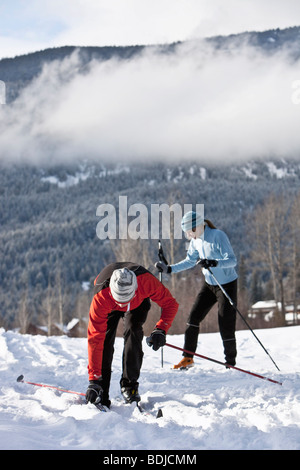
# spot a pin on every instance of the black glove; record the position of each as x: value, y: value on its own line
x: 207, y: 263
x: 157, y: 339
x: 94, y: 392
x: 163, y: 268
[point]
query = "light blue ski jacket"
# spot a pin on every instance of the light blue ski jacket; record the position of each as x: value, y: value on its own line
x: 214, y: 244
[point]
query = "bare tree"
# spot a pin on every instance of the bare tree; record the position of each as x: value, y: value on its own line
x: 60, y: 298
x: 269, y: 230
x: 136, y: 251
x: 47, y: 309
x: 294, y: 223
x: 24, y: 316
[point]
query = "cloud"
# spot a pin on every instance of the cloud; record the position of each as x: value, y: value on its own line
x: 195, y: 104
x: 236, y: 16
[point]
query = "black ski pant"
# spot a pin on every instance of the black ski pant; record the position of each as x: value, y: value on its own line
x: 132, y: 350
x: 204, y: 301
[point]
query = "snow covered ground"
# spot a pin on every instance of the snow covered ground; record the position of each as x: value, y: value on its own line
x: 206, y: 408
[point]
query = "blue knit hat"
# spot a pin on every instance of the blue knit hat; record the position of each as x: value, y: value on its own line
x: 191, y: 220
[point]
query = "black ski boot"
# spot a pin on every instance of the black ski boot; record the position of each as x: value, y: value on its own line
x: 230, y: 352
x: 130, y: 394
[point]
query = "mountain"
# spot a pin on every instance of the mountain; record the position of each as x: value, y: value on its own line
x: 19, y: 71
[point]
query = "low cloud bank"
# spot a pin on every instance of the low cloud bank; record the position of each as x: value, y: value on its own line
x: 196, y: 103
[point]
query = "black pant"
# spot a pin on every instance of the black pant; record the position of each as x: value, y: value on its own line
x: 205, y: 300
x: 132, y: 351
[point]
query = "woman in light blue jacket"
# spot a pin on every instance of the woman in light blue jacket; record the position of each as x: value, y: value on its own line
x: 214, y: 250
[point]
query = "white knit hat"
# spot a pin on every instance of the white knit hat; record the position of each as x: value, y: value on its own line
x: 191, y: 220
x: 123, y: 284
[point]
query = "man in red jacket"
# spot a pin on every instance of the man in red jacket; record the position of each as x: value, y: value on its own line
x: 124, y: 289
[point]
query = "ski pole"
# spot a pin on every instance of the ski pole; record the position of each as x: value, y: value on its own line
x: 21, y: 379
x: 223, y: 364
x: 244, y: 320
x: 163, y: 259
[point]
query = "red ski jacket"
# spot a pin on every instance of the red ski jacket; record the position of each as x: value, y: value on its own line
x: 103, y: 303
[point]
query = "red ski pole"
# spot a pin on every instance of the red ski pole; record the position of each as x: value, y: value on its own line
x: 21, y: 379
x: 223, y: 364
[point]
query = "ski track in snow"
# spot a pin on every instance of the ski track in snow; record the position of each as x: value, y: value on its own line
x: 205, y: 408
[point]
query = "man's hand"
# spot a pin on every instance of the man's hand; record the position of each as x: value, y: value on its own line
x: 157, y: 339
x: 94, y: 392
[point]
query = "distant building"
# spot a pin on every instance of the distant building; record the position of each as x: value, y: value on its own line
x: 76, y: 328
x: 267, y: 309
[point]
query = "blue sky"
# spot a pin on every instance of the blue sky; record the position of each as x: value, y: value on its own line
x: 29, y: 25
x: 20, y: 20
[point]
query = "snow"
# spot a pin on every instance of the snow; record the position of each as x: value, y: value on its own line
x: 248, y: 170
x: 85, y: 171
x: 207, y: 407
x: 279, y: 173
x: 85, y: 285
x: 71, y: 180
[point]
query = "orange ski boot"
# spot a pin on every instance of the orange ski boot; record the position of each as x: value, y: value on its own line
x: 185, y: 363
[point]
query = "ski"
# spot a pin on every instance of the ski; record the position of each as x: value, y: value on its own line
x: 141, y: 409
x: 100, y: 407
x: 182, y: 368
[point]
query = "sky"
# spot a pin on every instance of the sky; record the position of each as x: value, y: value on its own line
x: 196, y: 104
x: 30, y: 25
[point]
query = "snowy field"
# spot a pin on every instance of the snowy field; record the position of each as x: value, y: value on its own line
x: 208, y: 407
